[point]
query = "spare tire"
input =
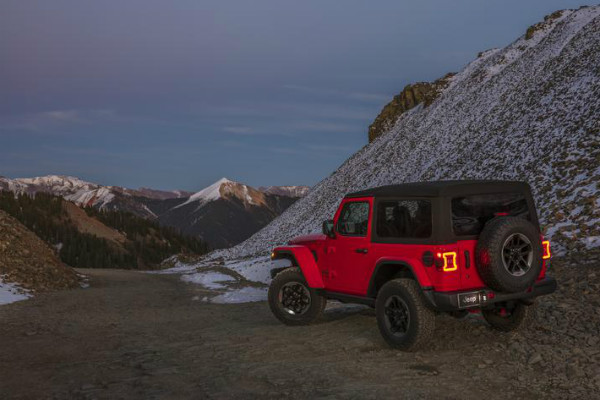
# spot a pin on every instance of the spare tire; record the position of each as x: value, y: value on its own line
x: 509, y: 254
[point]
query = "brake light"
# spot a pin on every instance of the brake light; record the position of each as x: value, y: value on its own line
x: 546, y: 246
x: 448, y: 261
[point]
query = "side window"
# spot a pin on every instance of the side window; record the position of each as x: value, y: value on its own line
x: 470, y: 213
x: 404, y: 219
x: 354, y: 219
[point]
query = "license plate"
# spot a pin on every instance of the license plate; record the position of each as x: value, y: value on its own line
x: 471, y: 299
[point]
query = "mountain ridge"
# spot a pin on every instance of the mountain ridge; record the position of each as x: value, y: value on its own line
x: 252, y: 208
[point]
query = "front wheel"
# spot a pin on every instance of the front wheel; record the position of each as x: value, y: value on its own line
x: 510, y: 317
x: 292, y: 301
x: 404, y: 319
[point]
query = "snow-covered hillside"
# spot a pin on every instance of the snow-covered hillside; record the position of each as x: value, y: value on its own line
x: 529, y: 111
x: 290, y: 191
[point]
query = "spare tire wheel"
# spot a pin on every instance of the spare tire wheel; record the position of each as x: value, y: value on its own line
x: 509, y: 254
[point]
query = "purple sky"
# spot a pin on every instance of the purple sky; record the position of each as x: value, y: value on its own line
x: 176, y: 94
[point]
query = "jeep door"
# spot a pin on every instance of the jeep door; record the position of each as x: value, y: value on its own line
x: 348, y: 258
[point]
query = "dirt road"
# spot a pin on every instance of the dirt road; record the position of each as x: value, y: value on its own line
x: 138, y: 336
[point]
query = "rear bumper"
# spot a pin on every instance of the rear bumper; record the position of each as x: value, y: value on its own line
x: 455, y: 301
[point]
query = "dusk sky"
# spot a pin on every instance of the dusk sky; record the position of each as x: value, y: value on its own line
x: 177, y: 94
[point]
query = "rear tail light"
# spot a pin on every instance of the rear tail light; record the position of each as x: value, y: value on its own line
x: 447, y: 261
x: 546, y: 246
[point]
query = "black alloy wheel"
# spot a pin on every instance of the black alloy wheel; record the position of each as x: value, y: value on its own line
x: 517, y: 254
x: 294, y: 298
x: 397, y: 315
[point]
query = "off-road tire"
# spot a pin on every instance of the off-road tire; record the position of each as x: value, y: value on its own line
x: 421, y: 318
x: 317, y: 301
x: 521, y: 317
x: 488, y: 254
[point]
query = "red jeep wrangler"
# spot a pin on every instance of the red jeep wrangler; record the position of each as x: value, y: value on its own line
x: 417, y: 249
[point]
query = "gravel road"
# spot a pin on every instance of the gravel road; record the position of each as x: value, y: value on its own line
x: 139, y: 336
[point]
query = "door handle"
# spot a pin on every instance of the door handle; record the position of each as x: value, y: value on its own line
x: 362, y: 251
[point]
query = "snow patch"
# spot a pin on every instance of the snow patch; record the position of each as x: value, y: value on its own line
x: 210, y: 280
x: 256, y: 269
x: 10, y: 292
x: 243, y: 295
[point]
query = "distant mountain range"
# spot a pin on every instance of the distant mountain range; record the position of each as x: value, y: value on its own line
x: 223, y: 214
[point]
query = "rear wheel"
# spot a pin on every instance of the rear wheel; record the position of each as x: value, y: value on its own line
x: 510, y: 316
x: 404, y: 319
x: 292, y: 301
x: 509, y: 254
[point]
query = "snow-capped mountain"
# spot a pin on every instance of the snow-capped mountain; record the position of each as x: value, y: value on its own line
x: 226, y: 189
x: 71, y: 188
x: 87, y: 194
x: 290, y: 191
x: 224, y: 213
x: 529, y: 111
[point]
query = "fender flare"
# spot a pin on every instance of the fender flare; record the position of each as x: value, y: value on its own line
x: 421, y: 278
x: 302, y: 257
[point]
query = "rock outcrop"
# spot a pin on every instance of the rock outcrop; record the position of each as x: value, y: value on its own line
x: 411, y: 96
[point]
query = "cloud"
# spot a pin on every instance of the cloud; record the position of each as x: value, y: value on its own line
x: 287, y: 150
x: 374, y: 97
x: 61, y: 116
x: 330, y: 148
x: 240, y: 130
x: 232, y: 143
x: 360, y: 96
x: 312, y: 149
x: 311, y: 90
x: 229, y: 111
x: 47, y: 120
x: 329, y: 111
x: 324, y: 126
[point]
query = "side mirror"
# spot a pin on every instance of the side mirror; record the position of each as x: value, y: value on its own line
x: 328, y: 228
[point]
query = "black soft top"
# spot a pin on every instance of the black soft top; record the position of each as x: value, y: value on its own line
x: 443, y: 188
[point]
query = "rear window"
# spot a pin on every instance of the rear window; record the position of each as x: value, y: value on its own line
x: 470, y: 213
x: 404, y: 219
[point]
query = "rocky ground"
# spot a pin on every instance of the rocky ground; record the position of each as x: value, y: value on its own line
x: 133, y: 335
x: 27, y: 260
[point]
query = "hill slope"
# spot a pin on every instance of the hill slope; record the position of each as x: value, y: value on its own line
x: 26, y: 260
x: 529, y: 111
x: 91, y: 238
